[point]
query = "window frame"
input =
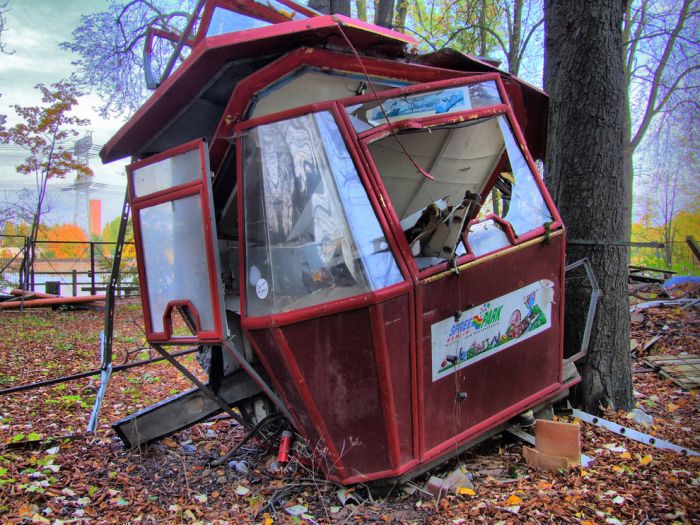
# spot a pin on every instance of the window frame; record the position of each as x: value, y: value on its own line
x: 357, y: 144
x: 338, y: 305
x: 505, y: 109
x: 200, y: 187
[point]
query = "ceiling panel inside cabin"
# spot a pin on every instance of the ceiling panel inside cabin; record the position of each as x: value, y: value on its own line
x: 459, y: 158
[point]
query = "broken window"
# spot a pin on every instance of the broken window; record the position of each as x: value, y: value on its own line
x: 515, y: 198
x: 461, y: 157
x: 309, y: 85
x: 310, y: 231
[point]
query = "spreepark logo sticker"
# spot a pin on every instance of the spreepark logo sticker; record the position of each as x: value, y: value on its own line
x: 460, y: 341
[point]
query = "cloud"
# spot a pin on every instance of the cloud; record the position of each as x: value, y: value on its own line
x: 35, y: 28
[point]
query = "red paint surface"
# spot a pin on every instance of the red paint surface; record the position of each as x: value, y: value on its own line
x: 356, y: 373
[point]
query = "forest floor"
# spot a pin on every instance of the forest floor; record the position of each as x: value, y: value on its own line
x: 91, y: 478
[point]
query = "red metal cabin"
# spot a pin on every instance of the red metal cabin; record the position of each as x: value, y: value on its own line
x: 365, y: 224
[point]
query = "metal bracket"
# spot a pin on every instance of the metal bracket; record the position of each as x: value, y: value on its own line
x: 632, y: 434
x: 592, y: 307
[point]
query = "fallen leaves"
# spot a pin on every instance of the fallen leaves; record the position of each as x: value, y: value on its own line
x: 97, y: 481
x: 514, y: 500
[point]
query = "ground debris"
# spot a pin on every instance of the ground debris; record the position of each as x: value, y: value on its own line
x: 94, y: 480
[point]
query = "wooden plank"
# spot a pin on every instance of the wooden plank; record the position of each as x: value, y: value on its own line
x: 682, y: 369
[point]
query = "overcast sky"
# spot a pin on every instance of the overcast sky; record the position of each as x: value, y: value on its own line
x: 34, y: 30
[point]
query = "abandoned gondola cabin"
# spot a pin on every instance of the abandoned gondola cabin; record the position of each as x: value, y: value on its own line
x: 364, y: 225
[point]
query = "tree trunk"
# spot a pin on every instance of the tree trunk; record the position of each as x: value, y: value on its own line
x: 515, y: 37
x: 361, y: 9
x: 585, y: 173
x: 342, y: 7
x: 322, y: 6
x: 330, y: 7
x: 483, y: 34
x: 400, y: 18
x: 384, y: 12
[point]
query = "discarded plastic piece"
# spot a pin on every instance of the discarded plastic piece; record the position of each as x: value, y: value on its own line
x: 242, y: 491
x: 663, y: 303
x: 455, y: 481
x: 680, y: 279
x: 239, y: 466
x: 348, y: 495
x: 639, y: 416
x: 296, y: 510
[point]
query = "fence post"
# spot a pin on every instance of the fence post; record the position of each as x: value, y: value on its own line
x: 92, y: 268
x: 75, y: 282
x: 32, y: 260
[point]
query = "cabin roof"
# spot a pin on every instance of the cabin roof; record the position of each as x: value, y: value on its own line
x: 217, y: 62
x: 195, y: 96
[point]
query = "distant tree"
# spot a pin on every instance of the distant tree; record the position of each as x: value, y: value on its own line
x: 44, y: 131
x: 109, y: 46
x: 67, y: 232
x: 520, y: 21
x: 3, y: 26
x: 19, y: 208
x: 667, y: 178
x: 110, y: 234
x: 361, y: 6
x: 480, y: 27
x: 584, y: 75
x: 662, y: 68
x: 439, y: 24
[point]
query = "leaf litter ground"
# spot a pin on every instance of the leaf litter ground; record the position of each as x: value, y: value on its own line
x: 92, y: 479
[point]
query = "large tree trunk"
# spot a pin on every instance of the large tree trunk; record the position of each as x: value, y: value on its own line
x: 585, y: 173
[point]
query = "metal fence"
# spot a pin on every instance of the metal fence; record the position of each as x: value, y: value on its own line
x: 70, y: 268
x: 683, y: 260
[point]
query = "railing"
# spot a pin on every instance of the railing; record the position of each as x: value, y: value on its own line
x: 679, y: 253
x: 65, y: 267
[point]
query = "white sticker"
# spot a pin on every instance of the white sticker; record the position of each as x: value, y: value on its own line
x: 491, y: 327
x: 261, y: 288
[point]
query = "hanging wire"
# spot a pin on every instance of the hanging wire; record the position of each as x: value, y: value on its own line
x: 374, y: 92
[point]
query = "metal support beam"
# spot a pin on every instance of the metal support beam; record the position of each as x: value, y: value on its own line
x: 108, y: 331
x: 245, y: 365
x: 204, y: 388
x: 64, y: 379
